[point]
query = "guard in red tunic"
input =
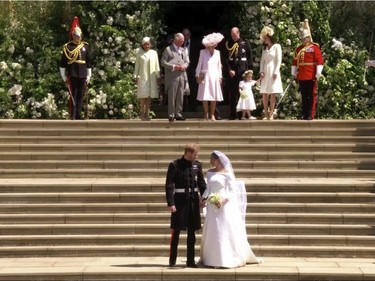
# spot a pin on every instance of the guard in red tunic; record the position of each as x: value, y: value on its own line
x: 307, y: 66
x: 75, y: 68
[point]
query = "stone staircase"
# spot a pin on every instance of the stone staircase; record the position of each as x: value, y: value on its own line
x: 96, y: 188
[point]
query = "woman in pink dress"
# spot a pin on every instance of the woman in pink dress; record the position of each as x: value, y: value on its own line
x: 209, y: 75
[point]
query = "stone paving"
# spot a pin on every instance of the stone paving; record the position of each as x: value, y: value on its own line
x: 155, y: 268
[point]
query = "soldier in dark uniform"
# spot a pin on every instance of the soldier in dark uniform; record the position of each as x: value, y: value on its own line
x: 75, y: 69
x: 237, y: 58
x: 184, y: 183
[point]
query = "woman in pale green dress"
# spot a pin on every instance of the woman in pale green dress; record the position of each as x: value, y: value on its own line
x: 146, y: 76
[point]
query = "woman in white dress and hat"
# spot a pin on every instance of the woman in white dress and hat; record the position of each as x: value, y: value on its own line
x: 209, y: 75
x: 270, y: 63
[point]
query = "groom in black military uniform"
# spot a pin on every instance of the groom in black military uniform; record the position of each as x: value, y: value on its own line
x: 75, y: 69
x: 184, y: 182
x: 237, y: 58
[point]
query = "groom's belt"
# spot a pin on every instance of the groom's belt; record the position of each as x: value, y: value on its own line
x: 182, y: 190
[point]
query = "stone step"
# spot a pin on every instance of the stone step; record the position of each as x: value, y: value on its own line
x: 167, y: 157
x: 30, y: 185
x: 364, y: 164
x: 163, y: 251
x: 143, y: 218
x: 168, y: 130
x: 68, y: 208
x: 159, y: 197
x: 135, y: 229
x: 173, y: 149
x: 164, y: 239
x: 160, y: 173
x: 194, y: 132
x: 184, y: 139
x: 21, y: 124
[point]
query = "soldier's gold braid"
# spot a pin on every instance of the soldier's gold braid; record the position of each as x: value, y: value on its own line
x: 301, y: 53
x: 72, y: 55
x: 232, y: 50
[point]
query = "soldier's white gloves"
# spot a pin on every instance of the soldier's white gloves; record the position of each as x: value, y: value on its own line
x: 319, y: 69
x: 62, y: 73
x: 88, y: 75
x: 294, y: 71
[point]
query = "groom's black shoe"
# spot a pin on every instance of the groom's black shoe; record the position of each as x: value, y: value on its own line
x: 192, y: 265
x: 172, y: 263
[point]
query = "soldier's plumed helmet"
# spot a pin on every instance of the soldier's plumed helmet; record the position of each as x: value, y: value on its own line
x: 77, y: 31
x: 305, y: 33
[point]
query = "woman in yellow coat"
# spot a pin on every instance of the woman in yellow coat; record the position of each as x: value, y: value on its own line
x: 147, y: 76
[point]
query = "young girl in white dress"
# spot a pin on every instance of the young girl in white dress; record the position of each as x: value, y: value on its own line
x: 224, y: 238
x: 246, y: 102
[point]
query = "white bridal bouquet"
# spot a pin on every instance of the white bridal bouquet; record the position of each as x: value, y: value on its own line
x: 214, y: 198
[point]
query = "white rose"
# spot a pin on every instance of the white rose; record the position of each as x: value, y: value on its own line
x: 11, y: 49
x: 110, y: 21
x: 29, y: 50
x: 3, y: 65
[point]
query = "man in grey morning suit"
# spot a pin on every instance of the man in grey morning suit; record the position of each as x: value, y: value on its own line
x: 175, y: 60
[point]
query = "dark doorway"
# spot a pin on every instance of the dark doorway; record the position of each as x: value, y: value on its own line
x: 201, y: 17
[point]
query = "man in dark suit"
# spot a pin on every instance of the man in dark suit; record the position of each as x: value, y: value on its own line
x: 193, y: 48
x: 237, y: 58
x: 75, y: 70
x: 184, y: 182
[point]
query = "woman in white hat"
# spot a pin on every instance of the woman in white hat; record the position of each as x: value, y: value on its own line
x: 270, y: 63
x: 209, y: 75
x: 146, y: 76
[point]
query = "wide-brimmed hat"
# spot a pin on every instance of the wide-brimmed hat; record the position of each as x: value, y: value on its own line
x: 266, y: 31
x: 212, y: 39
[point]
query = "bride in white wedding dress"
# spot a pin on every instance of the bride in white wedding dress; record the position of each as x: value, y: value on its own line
x: 224, y: 238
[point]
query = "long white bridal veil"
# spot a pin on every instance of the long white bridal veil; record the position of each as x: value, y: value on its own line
x: 239, y: 186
